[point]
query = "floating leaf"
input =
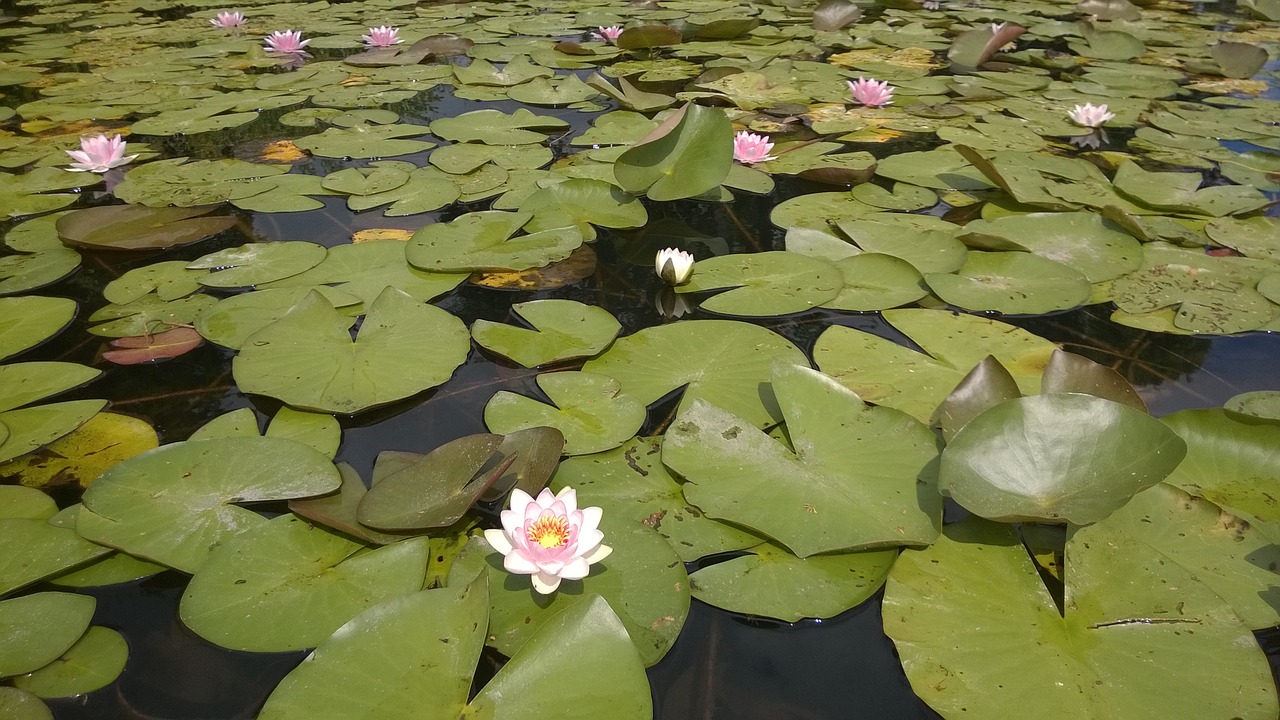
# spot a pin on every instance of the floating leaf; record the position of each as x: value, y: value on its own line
x: 563, y: 330
x: 1011, y: 282
x: 136, y: 227
x: 318, y: 431
x: 431, y: 491
x: 308, y: 359
x: 28, y: 321
x: 147, y: 315
x: 230, y: 321
x: 1261, y: 405
x: 36, y: 550
x: 1081, y: 240
x: 79, y: 457
x: 588, y: 408
x: 366, y: 141
x: 487, y: 241
x: 493, y: 127
x: 691, y: 157
x: 175, y: 504
x: 21, y: 705
x: 36, y: 629
x: 366, y: 269
x: 257, y: 263
x: 148, y: 348
x: 169, y: 280
x: 34, y: 427
x: 765, y: 284
x: 93, y: 662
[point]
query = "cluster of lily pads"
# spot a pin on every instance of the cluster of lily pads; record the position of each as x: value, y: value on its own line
x: 1117, y: 561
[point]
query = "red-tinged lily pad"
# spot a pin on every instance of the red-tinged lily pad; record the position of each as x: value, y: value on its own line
x: 137, y: 227
x: 147, y: 348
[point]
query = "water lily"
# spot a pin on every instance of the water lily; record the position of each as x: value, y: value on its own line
x: 549, y: 538
x: 749, y: 148
x: 1090, y: 115
x: 608, y: 34
x: 286, y: 42
x: 99, y: 154
x: 382, y: 36
x: 227, y: 20
x: 871, y: 92
x: 674, y: 266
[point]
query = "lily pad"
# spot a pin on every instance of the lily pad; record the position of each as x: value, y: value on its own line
x: 287, y: 585
x: 691, y: 156
x: 874, y: 281
x: 176, y: 503
x: 93, y: 662
x: 724, y: 362
x: 257, y: 263
x: 308, y: 359
x: 82, y: 455
x: 487, y: 240
x: 886, y: 373
x: 430, y: 491
x: 38, y: 550
x: 366, y: 141
x: 1081, y: 240
x: 169, y: 280
x: 1011, y: 282
x: 765, y: 284
x: 1070, y: 457
x: 583, y: 203
x: 230, y: 321
x: 588, y: 408
x: 365, y: 269
x: 34, y: 427
x: 22, y: 705
x: 28, y: 321
x: 36, y: 629
x: 319, y: 431
x: 136, y: 227
x: 494, y: 127
x: 563, y: 330
x: 818, y: 498
x: 1261, y: 405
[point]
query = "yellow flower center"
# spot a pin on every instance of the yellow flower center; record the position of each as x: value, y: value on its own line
x: 549, y: 532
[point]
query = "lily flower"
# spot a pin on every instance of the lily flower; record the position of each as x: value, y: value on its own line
x: 99, y: 154
x: 871, y: 92
x: 286, y: 42
x: 549, y: 538
x: 750, y: 148
x: 383, y: 36
x: 674, y: 266
x: 227, y: 20
x: 1090, y: 115
x: 607, y: 34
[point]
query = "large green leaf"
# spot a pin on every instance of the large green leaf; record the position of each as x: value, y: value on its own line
x: 562, y: 330
x: 1011, y: 282
x: 230, y: 321
x: 28, y: 321
x: 691, y: 158
x: 1231, y: 463
x: 35, y: 550
x: 287, y: 585
x: 93, y: 662
x: 34, y: 427
x: 1081, y: 240
x: 859, y: 477
x: 494, y: 127
x: 430, y: 491
x: 721, y: 361
x: 36, y: 629
x: 1070, y: 457
x: 21, y: 705
x: 137, y: 227
x: 588, y: 409
x: 25, y: 383
x: 583, y: 203
x: 487, y: 240
x: 308, y: 359
x: 257, y: 263
x: 886, y: 373
x: 365, y: 269
x: 765, y: 284
x: 176, y: 503
x: 1158, y: 644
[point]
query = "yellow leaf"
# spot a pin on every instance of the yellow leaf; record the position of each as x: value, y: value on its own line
x: 80, y: 457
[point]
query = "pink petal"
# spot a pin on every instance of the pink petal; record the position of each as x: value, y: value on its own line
x: 518, y: 564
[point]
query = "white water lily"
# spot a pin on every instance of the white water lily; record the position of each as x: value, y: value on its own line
x: 1090, y: 115
x: 674, y: 266
x: 549, y: 538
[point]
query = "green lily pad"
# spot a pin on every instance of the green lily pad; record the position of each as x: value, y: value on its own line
x: 38, y: 550
x: 1212, y: 299
x: 429, y: 491
x: 338, y: 511
x: 318, y: 431
x: 692, y: 157
x: 630, y: 481
x: 148, y: 315
x: 21, y: 705
x: 771, y: 582
x: 25, y: 322
x: 365, y: 269
x: 192, y: 121
x: 1181, y: 192
x: 643, y: 577
x: 851, y: 461
x: 563, y: 330
x: 543, y: 91
x: 874, y: 281
x: 1261, y: 405
x: 34, y: 427
x: 175, y: 504
x: 886, y: 373
x: 518, y: 70
x: 1239, y: 59
x: 366, y: 141
x: 21, y: 272
x: 1070, y: 457
x: 366, y: 181
x: 287, y: 585
x: 1231, y: 464
x: 1011, y: 282
x: 93, y: 662
x: 230, y: 321
x: 928, y: 243
x: 588, y: 408
x: 169, y: 280
x: 765, y: 284
x: 134, y: 227
x: 953, y: 607
x: 486, y: 241
x: 36, y: 629
x: 19, y: 501
x: 189, y: 184
x: 308, y: 359
x: 1256, y: 237
x: 1081, y: 240
x: 724, y: 362
x: 257, y: 263
x: 494, y: 127
x: 583, y: 203
x: 427, y: 189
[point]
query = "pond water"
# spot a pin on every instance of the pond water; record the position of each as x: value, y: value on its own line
x: 725, y: 665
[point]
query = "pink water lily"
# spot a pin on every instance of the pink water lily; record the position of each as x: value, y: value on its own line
x: 1090, y: 115
x: 383, y: 36
x: 871, y: 92
x: 286, y: 42
x: 750, y: 148
x: 549, y: 538
x: 608, y: 34
x: 227, y: 20
x: 99, y: 154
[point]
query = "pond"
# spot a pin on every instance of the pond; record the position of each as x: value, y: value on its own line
x: 360, y: 260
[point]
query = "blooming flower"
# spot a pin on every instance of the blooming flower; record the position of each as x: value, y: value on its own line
x: 287, y: 42
x: 227, y: 20
x: 1090, y: 115
x: 549, y: 538
x: 749, y: 148
x: 99, y: 154
x: 872, y: 93
x: 674, y: 266
x: 383, y: 36
x: 608, y: 34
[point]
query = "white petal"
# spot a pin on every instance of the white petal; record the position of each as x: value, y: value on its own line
x: 519, y: 499
x: 576, y: 570
x: 569, y: 497
x: 598, y: 554
x: 512, y: 522
x: 518, y: 564
x: 590, y: 520
x: 498, y: 541
x: 545, y: 584
x: 588, y: 541
x: 546, y: 498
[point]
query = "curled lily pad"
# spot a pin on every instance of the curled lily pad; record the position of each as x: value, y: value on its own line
x: 1070, y: 457
x: 431, y: 491
x: 176, y: 503
x: 308, y: 359
x: 691, y: 156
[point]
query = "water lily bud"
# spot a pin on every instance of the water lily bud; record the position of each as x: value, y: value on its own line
x: 674, y: 266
